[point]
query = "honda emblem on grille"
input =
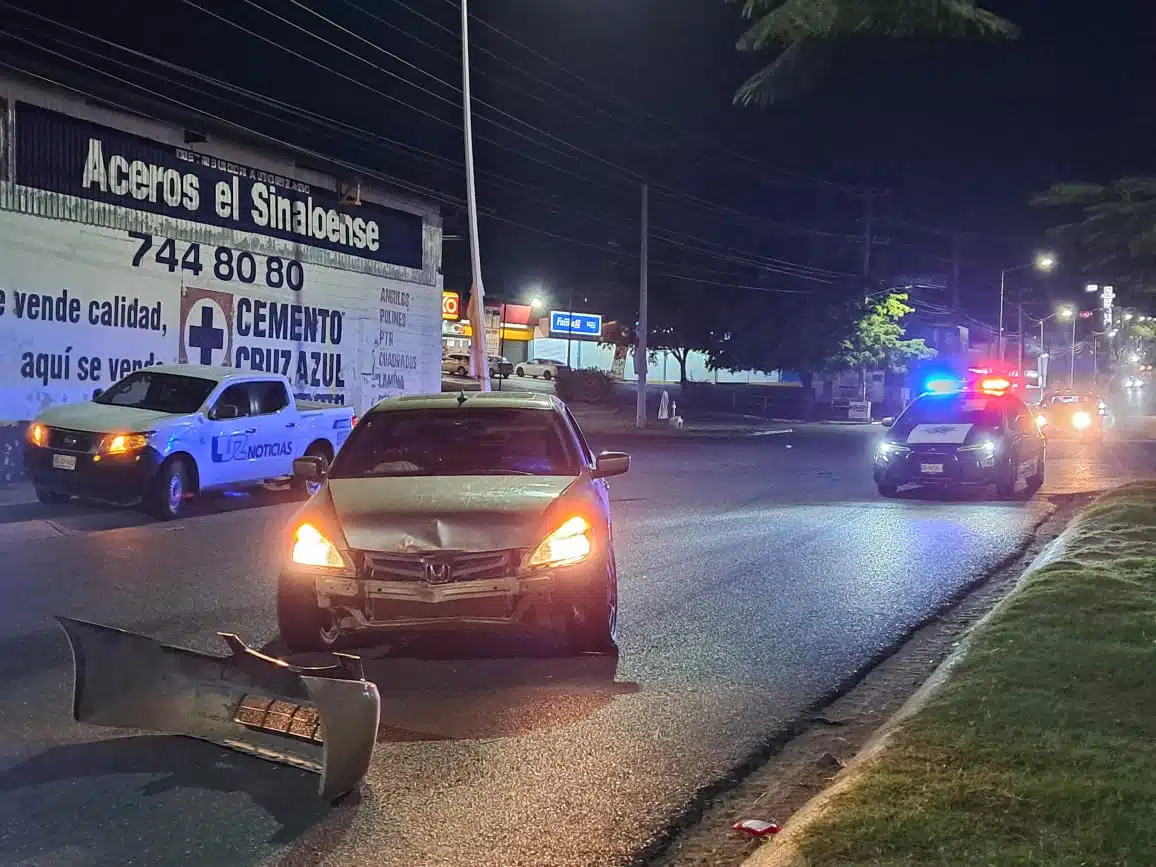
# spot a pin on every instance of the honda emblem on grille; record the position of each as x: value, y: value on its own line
x: 70, y: 441
x: 437, y: 573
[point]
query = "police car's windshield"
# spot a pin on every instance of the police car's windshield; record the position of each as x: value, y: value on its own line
x: 161, y: 392
x: 980, y: 411
x: 458, y: 442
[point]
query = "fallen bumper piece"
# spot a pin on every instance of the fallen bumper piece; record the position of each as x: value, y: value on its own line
x: 323, y: 720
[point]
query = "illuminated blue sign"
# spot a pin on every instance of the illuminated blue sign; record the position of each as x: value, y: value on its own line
x: 575, y: 324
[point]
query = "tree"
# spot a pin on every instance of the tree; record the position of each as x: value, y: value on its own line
x: 876, y: 342
x: 1114, y: 226
x: 806, y: 32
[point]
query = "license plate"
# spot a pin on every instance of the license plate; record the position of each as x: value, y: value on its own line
x: 64, y: 462
x: 931, y: 469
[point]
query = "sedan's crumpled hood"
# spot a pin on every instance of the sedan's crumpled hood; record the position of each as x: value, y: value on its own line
x: 103, y: 418
x: 458, y: 513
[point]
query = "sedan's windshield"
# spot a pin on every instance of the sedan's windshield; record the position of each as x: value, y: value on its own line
x: 982, y: 412
x: 458, y: 442
x: 161, y: 392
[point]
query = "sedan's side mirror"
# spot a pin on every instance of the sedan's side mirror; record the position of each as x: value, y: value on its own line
x: 311, y: 468
x: 888, y: 421
x: 611, y: 464
x: 97, y: 392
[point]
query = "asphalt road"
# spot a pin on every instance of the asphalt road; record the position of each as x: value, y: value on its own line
x: 757, y: 577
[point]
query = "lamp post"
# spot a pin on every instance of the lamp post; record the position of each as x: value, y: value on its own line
x: 1043, y: 380
x: 1070, y: 313
x: 1043, y: 262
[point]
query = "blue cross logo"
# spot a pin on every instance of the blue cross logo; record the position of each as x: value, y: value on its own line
x: 205, y: 336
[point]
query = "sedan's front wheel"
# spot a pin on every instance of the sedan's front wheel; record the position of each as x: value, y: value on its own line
x: 888, y: 491
x: 592, y: 624
x: 305, y: 626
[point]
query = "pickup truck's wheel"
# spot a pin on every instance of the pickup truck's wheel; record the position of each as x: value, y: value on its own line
x: 170, y: 490
x: 51, y: 498
x: 592, y: 623
x: 305, y: 626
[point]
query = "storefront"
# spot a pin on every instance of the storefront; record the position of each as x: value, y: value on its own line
x: 509, y: 329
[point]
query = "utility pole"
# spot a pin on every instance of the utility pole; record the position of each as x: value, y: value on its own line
x: 478, y: 360
x: 868, y: 241
x: 640, y: 355
x: 956, y: 256
x: 1020, y: 332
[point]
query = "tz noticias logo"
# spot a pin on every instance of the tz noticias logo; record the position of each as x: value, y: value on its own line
x: 206, y: 326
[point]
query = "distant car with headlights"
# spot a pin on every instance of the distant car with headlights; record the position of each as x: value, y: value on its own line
x: 165, y: 433
x: 1072, y: 415
x: 1132, y: 382
x: 977, y: 436
x: 455, y: 512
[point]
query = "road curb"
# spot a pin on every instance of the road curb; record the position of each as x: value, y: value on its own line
x: 783, y: 849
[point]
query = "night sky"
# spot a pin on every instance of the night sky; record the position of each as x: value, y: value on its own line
x: 602, y: 94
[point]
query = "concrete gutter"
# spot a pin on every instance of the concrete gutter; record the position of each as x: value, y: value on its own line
x: 783, y: 849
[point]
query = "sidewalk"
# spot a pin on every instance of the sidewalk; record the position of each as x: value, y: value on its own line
x: 1032, y: 745
x: 608, y: 421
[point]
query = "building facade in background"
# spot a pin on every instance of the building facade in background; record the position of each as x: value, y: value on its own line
x: 127, y: 242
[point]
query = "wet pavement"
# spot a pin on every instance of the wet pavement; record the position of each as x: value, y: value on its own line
x: 758, y: 577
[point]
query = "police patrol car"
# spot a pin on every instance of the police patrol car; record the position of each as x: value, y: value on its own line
x: 168, y: 432
x: 977, y: 435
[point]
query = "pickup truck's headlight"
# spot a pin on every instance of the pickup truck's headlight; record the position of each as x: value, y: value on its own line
x: 310, y: 548
x: 571, y: 543
x: 120, y: 444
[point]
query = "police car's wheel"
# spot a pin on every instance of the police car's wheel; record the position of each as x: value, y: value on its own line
x: 1036, y: 480
x: 170, y: 490
x: 888, y: 491
x: 305, y: 627
x: 51, y: 498
x: 1006, y: 487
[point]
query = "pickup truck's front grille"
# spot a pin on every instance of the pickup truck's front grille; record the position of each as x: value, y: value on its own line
x: 440, y: 568
x: 72, y: 440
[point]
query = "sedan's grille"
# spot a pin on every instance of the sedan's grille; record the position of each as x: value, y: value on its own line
x: 71, y: 440
x: 440, y: 567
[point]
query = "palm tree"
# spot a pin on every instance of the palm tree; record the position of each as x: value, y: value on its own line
x: 1114, y: 224
x: 806, y: 31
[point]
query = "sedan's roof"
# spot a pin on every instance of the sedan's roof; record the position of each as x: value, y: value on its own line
x: 466, y: 400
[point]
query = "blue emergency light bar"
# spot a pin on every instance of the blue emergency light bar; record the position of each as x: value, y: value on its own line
x: 942, y: 385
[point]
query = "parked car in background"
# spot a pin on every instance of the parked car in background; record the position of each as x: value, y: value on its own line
x: 500, y: 366
x: 541, y: 368
x: 456, y: 363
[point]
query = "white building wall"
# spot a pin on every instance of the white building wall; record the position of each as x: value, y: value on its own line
x: 663, y: 366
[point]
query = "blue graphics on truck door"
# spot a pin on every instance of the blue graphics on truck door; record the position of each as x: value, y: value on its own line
x: 229, y: 426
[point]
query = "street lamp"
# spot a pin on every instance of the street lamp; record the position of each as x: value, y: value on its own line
x: 1070, y: 313
x: 1043, y: 262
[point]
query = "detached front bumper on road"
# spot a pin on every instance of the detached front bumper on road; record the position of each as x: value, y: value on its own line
x: 123, y: 479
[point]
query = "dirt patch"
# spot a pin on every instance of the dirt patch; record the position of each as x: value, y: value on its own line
x: 803, y: 763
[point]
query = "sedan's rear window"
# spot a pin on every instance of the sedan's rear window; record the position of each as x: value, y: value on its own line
x: 458, y: 442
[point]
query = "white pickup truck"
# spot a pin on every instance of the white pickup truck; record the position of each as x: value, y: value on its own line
x: 168, y: 432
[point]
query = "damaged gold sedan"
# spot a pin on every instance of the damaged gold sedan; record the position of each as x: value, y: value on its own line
x: 455, y: 512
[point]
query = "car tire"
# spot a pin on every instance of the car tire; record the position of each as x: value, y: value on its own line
x: 461, y: 371
x: 304, y: 625
x: 170, y: 491
x: 592, y: 624
x: 1036, y: 480
x: 303, y: 486
x: 547, y: 375
x: 51, y: 498
x: 888, y: 491
x: 1005, y: 488
x: 521, y: 372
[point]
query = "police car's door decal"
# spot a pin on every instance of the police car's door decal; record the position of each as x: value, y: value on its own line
x: 946, y: 434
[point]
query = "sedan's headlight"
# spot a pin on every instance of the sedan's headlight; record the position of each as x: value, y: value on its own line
x: 1081, y: 420
x: 120, y: 444
x: 886, y: 450
x: 571, y: 543
x: 38, y: 435
x: 310, y: 548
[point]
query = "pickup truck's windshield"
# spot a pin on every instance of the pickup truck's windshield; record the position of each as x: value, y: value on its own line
x: 161, y: 392
x: 496, y: 441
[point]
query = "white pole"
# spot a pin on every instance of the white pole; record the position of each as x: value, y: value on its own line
x: 478, y: 361
x: 641, y: 361
x: 1002, y: 283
